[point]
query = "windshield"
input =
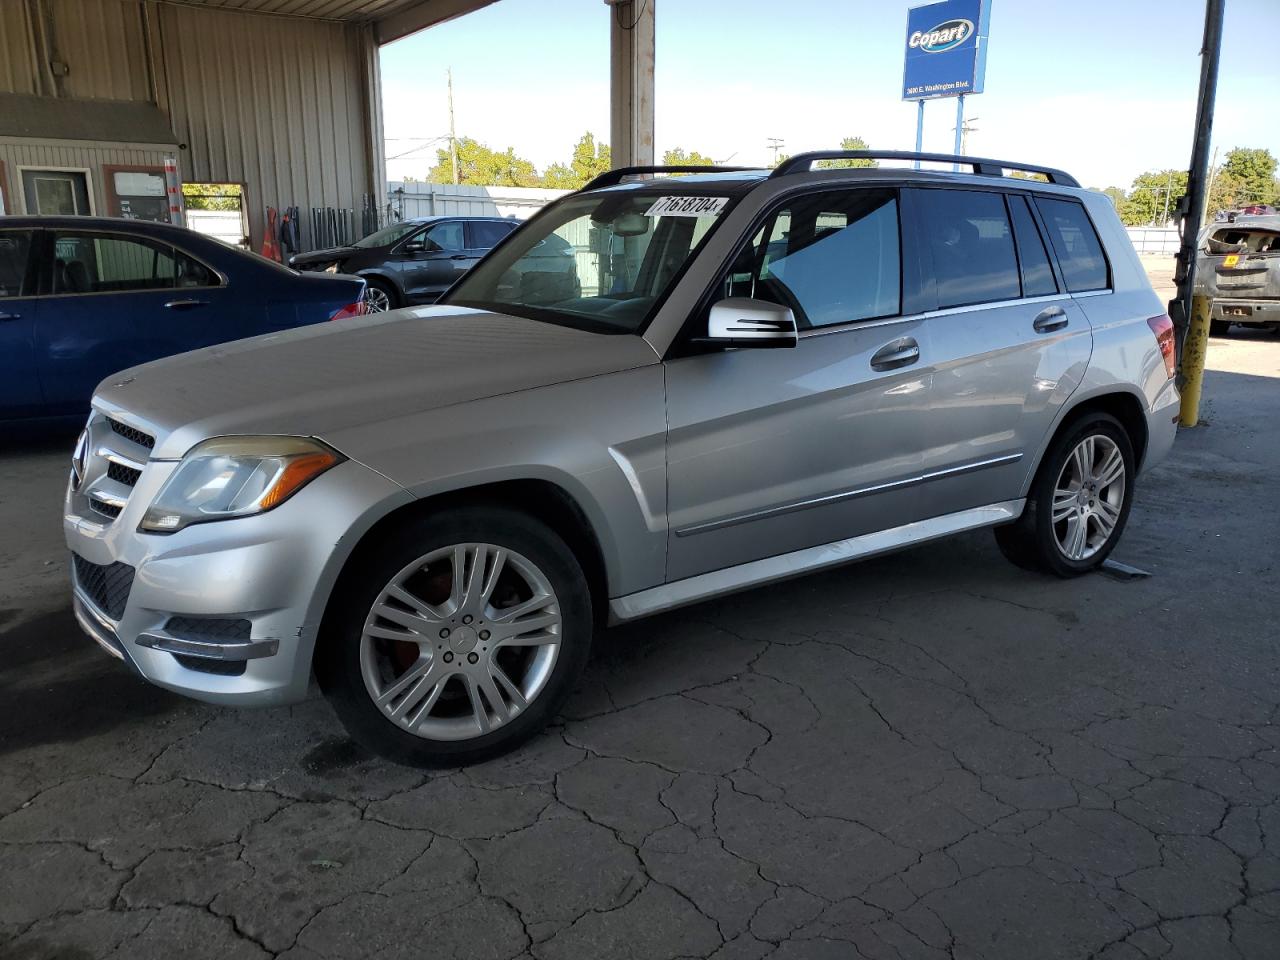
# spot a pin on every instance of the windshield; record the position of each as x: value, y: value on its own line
x: 388, y: 235
x: 599, y: 262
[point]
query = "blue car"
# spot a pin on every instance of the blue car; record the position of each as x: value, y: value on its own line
x: 84, y: 297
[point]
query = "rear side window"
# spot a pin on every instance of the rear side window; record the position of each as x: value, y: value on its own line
x: 15, y: 246
x: 1037, y: 275
x: 1084, y: 267
x: 107, y: 263
x: 832, y: 258
x: 486, y: 233
x: 972, y: 246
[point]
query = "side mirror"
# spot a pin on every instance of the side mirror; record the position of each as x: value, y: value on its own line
x: 745, y: 322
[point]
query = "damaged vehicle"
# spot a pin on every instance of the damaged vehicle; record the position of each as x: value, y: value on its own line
x: 1239, y: 267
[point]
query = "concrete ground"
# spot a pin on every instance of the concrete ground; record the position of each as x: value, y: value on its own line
x: 925, y: 756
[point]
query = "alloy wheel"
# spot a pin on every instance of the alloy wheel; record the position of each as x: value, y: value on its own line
x: 461, y: 641
x: 1088, y: 497
x: 376, y: 300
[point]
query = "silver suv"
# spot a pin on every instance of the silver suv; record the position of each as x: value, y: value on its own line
x: 753, y: 375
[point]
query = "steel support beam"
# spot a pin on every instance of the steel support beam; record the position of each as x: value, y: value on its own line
x: 418, y: 16
x: 631, y: 55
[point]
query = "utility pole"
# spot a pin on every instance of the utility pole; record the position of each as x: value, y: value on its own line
x: 775, y: 144
x: 1191, y: 320
x: 967, y: 128
x: 453, y: 140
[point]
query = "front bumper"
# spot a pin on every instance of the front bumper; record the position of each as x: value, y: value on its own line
x: 274, y: 570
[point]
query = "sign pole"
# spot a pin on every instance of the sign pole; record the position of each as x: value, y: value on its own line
x: 959, y: 127
x: 919, y: 129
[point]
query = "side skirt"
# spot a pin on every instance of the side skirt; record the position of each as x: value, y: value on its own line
x: 717, y: 583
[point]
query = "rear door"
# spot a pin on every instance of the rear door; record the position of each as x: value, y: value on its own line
x: 430, y: 269
x: 116, y: 300
x: 1010, y: 344
x: 20, y: 394
x: 771, y: 451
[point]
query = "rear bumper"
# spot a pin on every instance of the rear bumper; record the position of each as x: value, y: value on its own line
x: 1162, y: 424
x: 1240, y: 310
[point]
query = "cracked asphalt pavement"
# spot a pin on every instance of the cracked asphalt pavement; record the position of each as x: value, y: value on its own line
x: 931, y: 755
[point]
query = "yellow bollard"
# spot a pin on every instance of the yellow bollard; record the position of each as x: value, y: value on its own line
x: 1194, y: 350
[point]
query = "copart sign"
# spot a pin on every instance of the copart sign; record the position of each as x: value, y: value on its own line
x: 946, y: 49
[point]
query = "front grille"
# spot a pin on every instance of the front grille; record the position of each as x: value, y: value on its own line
x: 107, y: 585
x: 132, y: 433
x: 122, y: 474
x: 208, y: 629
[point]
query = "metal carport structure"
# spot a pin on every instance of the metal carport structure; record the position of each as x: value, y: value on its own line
x: 280, y: 96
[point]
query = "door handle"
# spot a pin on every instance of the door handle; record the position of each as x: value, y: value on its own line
x: 5, y: 317
x: 185, y: 304
x: 899, y: 353
x: 1049, y: 320
x: 459, y: 256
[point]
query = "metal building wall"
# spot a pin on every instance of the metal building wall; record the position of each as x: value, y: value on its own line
x: 18, y: 72
x: 82, y: 33
x: 74, y: 155
x: 275, y: 103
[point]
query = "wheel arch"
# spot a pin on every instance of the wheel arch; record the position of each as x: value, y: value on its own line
x: 542, y: 499
x: 1125, y: 405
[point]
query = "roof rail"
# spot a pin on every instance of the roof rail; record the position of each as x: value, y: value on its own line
x: 981, y: 165
x: 611, y: 177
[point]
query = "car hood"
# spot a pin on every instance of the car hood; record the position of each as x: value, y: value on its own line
x: 314, y: 257
x: 320, y: 379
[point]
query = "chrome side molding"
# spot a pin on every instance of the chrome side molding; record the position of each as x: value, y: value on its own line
x: 704, y: 586
x: 231, y: 650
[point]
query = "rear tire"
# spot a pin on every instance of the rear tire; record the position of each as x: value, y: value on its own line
x: 1219, y: 328
x: 470, y: 627
x: 1078, y: 503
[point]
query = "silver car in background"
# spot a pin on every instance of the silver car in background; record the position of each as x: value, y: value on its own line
x: 758, y: 374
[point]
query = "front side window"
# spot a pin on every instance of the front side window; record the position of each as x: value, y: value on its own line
x: 972, y: 245
x: 15, y: 247
x: 600, y: 261
x: 832, y: 258
x: 103, y: 263
x: 1084, y: 267
x: 444, y: 238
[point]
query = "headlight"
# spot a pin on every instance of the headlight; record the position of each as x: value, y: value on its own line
x: 332, y: 268
x: 236, y: 477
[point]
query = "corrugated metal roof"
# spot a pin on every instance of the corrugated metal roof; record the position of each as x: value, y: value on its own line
x: 359, y: 10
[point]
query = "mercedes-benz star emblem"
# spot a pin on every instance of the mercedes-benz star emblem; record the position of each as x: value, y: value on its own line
x: 78, y: 460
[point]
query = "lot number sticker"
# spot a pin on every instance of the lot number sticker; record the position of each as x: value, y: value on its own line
x: 687, y: 207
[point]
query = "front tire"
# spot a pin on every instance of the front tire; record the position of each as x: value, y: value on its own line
x: 379, y: 296
x: 456, y: 637
x: 1079, y: 501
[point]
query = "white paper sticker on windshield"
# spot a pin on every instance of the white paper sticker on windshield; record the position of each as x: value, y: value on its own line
x: 687, y: 206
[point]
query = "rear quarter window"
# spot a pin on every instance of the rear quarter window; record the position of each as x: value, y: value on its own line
x: 1076, y: 243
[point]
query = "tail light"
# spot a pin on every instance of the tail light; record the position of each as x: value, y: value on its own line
x: 1162, y: 327
x: 350, y: 310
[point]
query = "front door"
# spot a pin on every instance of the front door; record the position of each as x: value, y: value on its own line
x: 20, y: 394
x: 1010, y: 344
x: 774, y: 450
x: 62, y: 193
x: 118, y: 300
x: 434, y: 259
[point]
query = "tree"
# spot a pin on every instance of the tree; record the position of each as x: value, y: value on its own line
x: 1025, y: 175
x: 1247, y: 175
x: 1153, y: 197
x: 848, y: 143
x: 480, y: 166
x: 590, y: 159
x: 212, y: 196
x: 676, y: 157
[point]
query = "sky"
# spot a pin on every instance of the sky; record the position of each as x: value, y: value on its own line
x: 1104, y: 89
